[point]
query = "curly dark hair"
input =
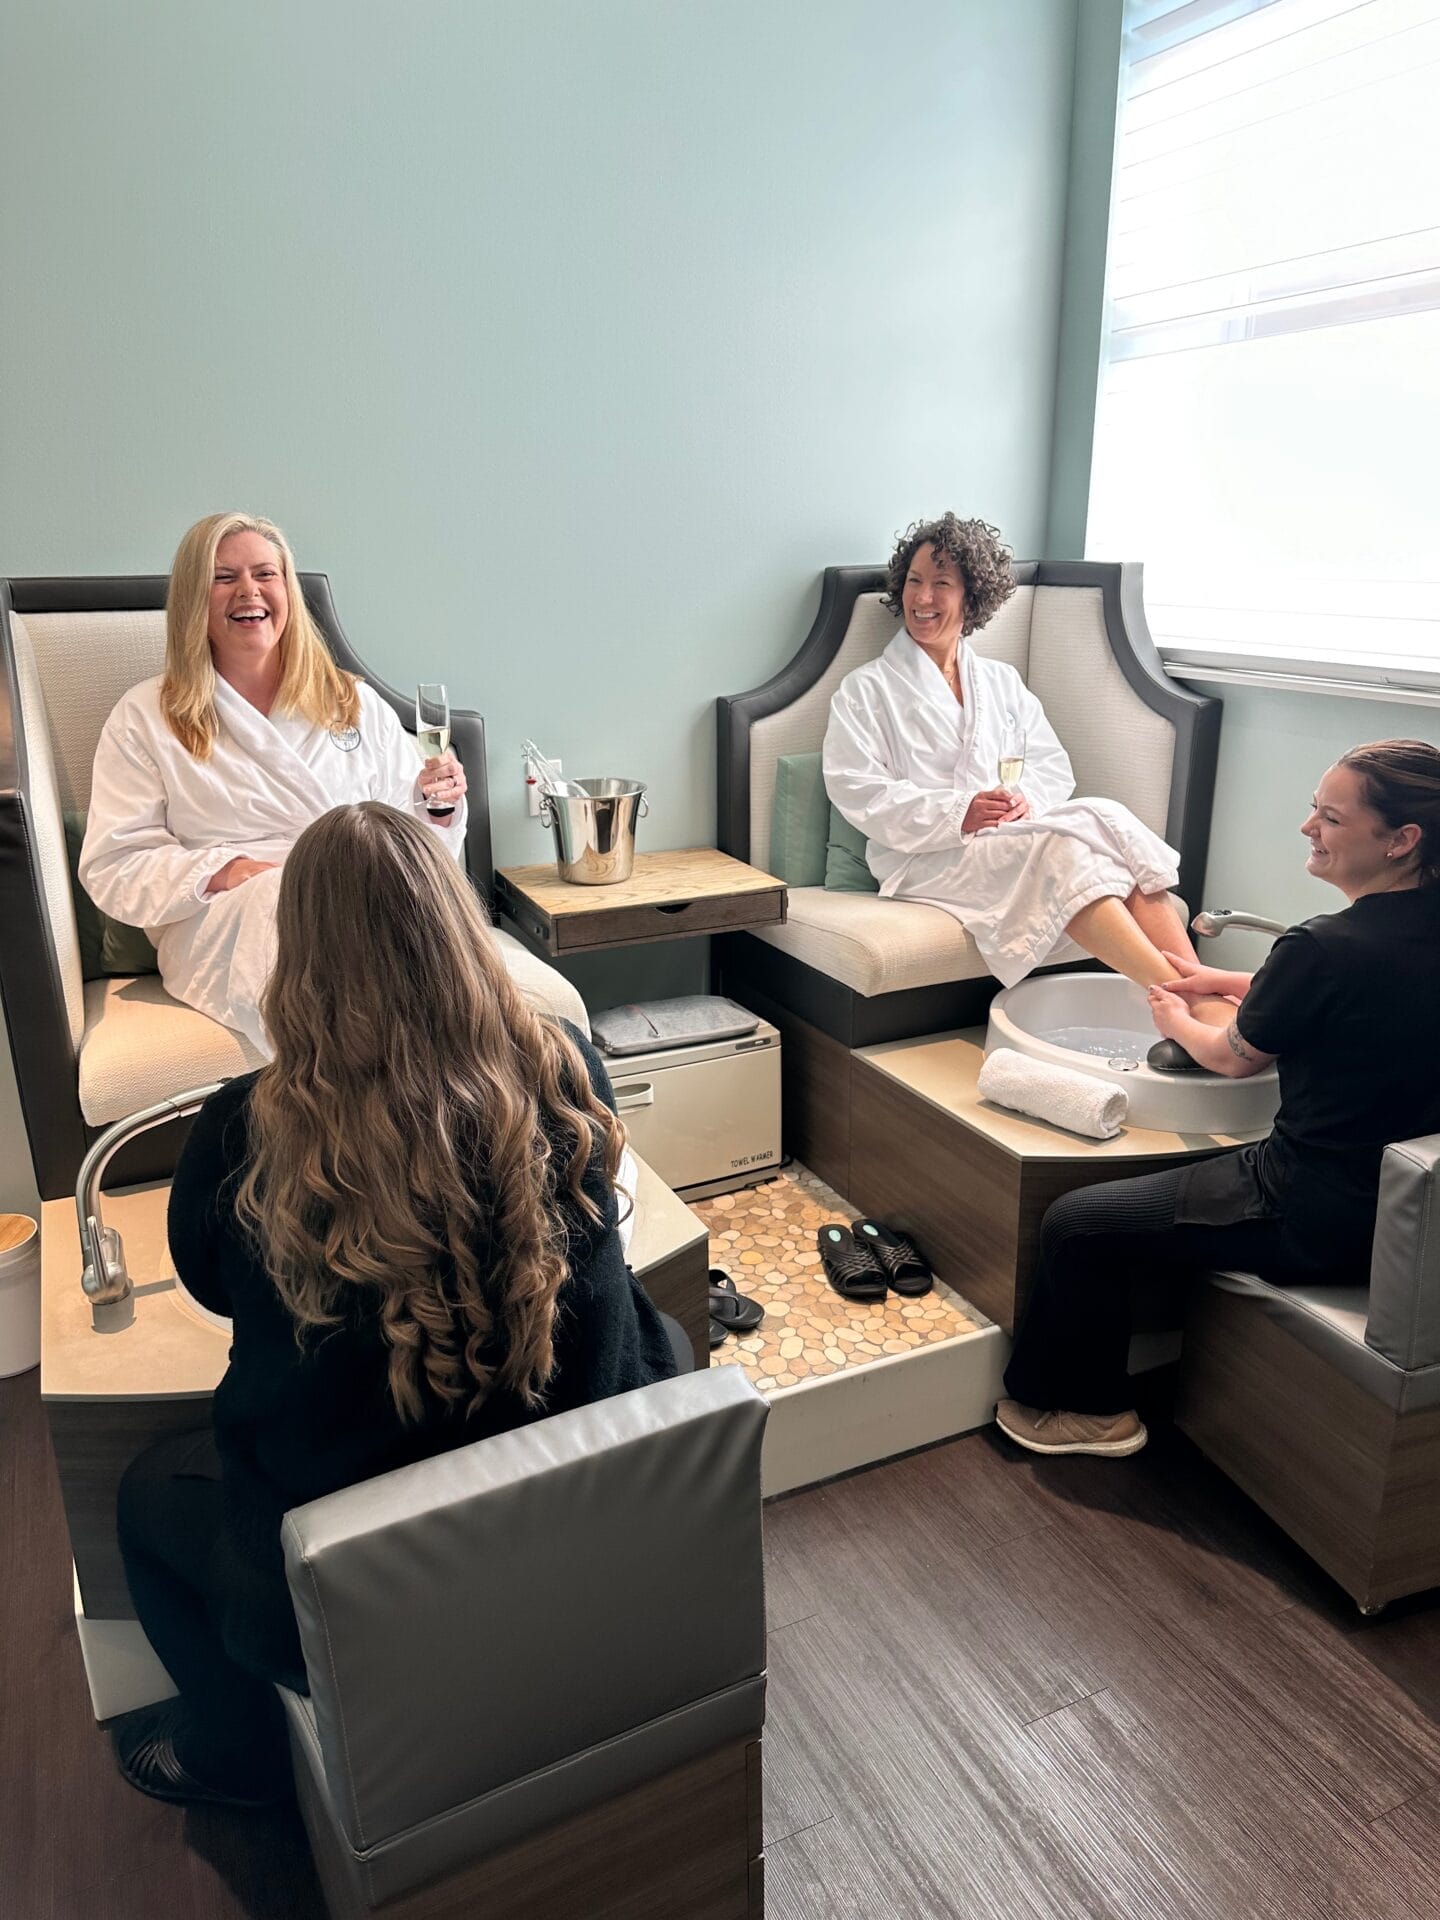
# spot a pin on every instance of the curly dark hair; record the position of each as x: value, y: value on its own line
x: 1400, y: 780
x: 981, y: 558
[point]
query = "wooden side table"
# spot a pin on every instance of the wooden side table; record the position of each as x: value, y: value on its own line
x: 669, y: 896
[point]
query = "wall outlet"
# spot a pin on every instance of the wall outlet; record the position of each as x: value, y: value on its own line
x: 532, y: 788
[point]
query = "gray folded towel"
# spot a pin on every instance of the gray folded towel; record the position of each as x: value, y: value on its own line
x: 683, y: 1022
x: 1060, y: 1095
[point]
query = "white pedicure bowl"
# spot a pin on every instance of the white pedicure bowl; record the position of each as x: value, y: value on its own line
x: 1099, y: 1023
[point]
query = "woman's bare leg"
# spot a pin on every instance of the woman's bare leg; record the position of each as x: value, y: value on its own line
x: 1155, y: 915
x: 1108, y: 930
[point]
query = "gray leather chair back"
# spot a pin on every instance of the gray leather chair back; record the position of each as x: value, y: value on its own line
x: 1404, y: 1317
x: 504, y: 1635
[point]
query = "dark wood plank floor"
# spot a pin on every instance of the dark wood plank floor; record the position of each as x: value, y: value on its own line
x: 1001, y: 1687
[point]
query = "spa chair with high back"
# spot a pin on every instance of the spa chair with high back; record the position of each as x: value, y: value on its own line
x: 93, y: 1033
x: 848, y: 970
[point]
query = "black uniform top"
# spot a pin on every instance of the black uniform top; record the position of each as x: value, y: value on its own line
x: 1348, y: 1004
x: 296, y: 1420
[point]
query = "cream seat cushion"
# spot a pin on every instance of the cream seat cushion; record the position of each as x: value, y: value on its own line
x: 140, y: 1046
x: 872, y: 945
x: 881, y: 946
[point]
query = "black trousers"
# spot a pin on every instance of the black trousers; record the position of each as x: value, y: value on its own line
x: 1072, y: 1346
x: 169, y: 1513
x: 170, y: 1519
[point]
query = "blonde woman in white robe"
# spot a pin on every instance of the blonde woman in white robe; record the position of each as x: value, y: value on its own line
x: 206, y: 775
x: 911, y: 760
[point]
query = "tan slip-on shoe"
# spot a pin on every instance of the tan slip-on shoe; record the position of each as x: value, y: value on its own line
x: 1055, y: 1431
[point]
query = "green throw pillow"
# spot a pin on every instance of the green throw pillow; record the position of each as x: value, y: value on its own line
x: 799, y: 821
x: 107, y: 947
x: 845, y: 868
x: 87, y: 914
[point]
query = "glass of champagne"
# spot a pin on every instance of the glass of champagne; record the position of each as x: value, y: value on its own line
x: 432, y: 731
x: 1012, y: 756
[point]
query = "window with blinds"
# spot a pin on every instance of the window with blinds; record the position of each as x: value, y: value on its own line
x: 1268, y: 428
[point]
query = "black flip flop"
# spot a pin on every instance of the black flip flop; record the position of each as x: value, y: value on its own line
x: 718, y: 1334
x: 852, y: 1269
x: 732, y: 1309
x: 905, y: 1271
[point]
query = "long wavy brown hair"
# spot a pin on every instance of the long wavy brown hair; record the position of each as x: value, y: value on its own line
x: 310, y: 681
x: 422, y: 1135
x: 980, y: 556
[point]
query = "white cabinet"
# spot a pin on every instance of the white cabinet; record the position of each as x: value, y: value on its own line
x: 705, y: 1116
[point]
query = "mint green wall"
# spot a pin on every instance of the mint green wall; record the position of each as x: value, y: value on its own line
x: 1273, y: 749
x: 571, y: 341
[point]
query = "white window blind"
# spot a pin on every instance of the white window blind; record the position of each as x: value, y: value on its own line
x: 1268, y: 430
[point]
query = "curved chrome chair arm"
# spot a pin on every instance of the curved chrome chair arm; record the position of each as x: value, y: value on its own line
x: 106, y: 1280
x: 1217, y: 919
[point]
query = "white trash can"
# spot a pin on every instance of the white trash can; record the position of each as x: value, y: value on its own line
x: 19, y: 1294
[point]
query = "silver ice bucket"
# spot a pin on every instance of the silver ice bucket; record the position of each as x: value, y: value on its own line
x: 595, y: 830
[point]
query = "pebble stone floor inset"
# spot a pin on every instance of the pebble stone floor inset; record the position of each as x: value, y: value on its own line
x: 764, y: 1238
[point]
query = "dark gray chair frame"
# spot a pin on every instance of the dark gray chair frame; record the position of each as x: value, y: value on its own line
x: 762, y: 977
x: 30, y: 982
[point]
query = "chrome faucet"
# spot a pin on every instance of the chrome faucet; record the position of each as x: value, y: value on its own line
x: 106, y: 1279
x: 1217, y: 919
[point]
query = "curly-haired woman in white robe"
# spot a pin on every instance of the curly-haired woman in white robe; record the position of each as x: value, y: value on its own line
x: 911, y: 760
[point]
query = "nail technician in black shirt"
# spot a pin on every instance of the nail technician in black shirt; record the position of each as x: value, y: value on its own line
x: 1346, y: 1007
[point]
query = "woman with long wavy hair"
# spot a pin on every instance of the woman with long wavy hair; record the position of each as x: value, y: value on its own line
x: 411, y: 1215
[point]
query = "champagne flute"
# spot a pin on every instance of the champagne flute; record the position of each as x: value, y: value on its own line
x: 432, y: 732
x: 1012, y: 756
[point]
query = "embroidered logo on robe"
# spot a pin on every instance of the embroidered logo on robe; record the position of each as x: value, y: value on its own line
x: 346, y: 738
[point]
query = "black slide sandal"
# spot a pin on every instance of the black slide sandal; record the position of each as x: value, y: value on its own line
x: 734, y: 1310
x: 718, y: 1334
x: 905, y: 1270
x: 852, y: 1270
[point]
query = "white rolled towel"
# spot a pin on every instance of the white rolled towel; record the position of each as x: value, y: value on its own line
x: 1058, y: 1094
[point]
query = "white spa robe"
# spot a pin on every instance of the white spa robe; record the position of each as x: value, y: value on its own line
x: 903, y: 760
x: 162, y: 822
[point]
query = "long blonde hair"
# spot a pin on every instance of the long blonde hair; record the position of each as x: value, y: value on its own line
x: 310, y: 682
x: 421, y: 1135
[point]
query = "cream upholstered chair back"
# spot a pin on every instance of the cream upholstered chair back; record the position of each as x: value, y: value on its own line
x: 1057, y: 640
x: 84, y: 662
x: 51, y: 753
x: 71, y: 668
x: 1119, y: 747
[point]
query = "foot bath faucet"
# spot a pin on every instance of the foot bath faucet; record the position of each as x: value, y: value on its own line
x: 1217, y: 919
x: 106, y: 1279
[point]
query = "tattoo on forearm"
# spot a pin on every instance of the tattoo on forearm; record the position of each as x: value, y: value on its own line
x: 1237, y: 1045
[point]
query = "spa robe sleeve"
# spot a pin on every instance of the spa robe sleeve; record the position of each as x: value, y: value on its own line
x: 399, y: 770
x: 131, y: 865
x: 877, y: 798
